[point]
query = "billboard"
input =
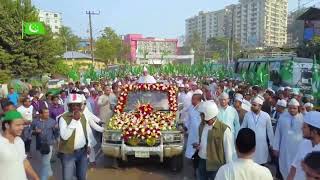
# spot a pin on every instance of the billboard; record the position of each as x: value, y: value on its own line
x: 311, y: 29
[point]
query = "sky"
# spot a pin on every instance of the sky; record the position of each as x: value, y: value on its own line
x: 158, y: 18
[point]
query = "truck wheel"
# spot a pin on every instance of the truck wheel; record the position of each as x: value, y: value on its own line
x: 176, y: 163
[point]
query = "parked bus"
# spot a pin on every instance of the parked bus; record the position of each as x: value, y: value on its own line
x: 302, y: 70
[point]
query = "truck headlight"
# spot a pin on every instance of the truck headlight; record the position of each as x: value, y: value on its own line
x: 115, y: 137
x: 168, y: 137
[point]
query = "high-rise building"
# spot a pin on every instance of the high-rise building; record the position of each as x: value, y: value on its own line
x: 51, y: 19
x: 252, y: 23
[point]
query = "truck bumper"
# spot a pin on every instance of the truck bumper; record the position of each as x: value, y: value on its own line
x: 122, y: 150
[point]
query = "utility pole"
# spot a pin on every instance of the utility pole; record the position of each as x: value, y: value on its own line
x: 91, y: 36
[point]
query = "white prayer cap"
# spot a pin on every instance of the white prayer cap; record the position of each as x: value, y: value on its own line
x: 82, y: 84
x: 194, y: 83
x: 293, y: 102
x: 180, y: 85
x: 238, y: 95
x: 288, y: 88
x: 209, y: 108
x: 224, y: 95
x: 258, y: 99
x: 238, y: 99
x: 145, y: 69
x: 281, y: 89
x: 187, y: 86
x: 312, y: 118
x: 119, y: 83
x: 198, y: 91
x: 246, y: 105
x: 308, y: 105
x: 86, y: 90
x: 75, y: 98
x: 92, y: 89
x: 282, y: 103
x: 271, y: 90
x: 41, y: 95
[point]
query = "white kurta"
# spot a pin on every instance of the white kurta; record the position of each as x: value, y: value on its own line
x: 27, y: 113
x: 261, y: 125
x: 243, y: 169
x: 80, y: 139
x: 186, y: 101
x: 286, y: 140
x: 12, y: 156
x: 105, y: 111
x: 192, y: 123
x: 304, y: 148
x: 228, y: 143
x: 230, y: 117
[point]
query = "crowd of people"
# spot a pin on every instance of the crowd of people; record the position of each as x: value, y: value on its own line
x: 234, y: 130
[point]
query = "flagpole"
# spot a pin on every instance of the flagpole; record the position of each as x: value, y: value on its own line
x: 22, y: 29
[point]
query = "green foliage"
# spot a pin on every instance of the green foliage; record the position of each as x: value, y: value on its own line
x: 110, y: 46
x: 30, y: 56
x: 68, y: 40
x: 60, y: 68
x: 4, y: 76
x: 91, y: 73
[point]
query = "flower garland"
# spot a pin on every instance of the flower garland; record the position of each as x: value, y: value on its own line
x: 144, y: 124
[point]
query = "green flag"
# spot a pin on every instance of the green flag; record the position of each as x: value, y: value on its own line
x: 34, y: 28
x: 315, y: 79
x: 286, y: 71
x: 262, y: 76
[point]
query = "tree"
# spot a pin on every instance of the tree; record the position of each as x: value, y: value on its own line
x: 68, y: 39
x: 219, y: 45
x: 196, y: 44
x: 30, y: 56
x: 109, y: 46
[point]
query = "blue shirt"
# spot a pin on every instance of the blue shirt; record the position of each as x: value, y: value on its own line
x: 14, y: 97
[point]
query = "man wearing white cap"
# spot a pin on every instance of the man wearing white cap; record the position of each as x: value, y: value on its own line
x: 238, y: 105
x: 146, y: 78
x: 216, y: 143
x: 308, y: 106
x: 260, y: 123
x: 76, y: 139
x: 311, y: 133
x: 288, y: 135
x: 228, y: 115
x: 280, y: 108
x: 105, y: 111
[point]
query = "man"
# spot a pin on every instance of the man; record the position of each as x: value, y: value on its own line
x: 192, y: 125
x: 93, y: 101
x: 238, y: 106
x: 13, y: 97
x: 55, y: 109
x: 146, y: 78
x: 244, y: 168
x: 288, y: 136
x: 266, y: 107
x: 76, y: 138
x: 37, y: 103
x: 13, y: 162
x: 260, y: 122
x: 311, y: 165
x: 105, y: 111
x: 311, y: 133
x: 228, y: 115
x: 46, y: 130
x: 215, y: 142
x: 280, y: 109
x: 27, y: 112
x: 308, y: 106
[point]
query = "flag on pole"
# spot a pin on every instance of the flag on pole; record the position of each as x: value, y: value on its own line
x: 315, y: 78
x: 34, y: 28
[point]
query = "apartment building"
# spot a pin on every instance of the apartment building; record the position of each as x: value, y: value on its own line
x: 51, y: 19
x: 252, y: 23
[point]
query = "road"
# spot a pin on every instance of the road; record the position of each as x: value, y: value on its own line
x: 142, y: 169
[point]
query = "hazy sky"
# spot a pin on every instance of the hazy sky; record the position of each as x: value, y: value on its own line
x: 161, y: 18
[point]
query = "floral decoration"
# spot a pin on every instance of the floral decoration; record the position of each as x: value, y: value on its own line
x: 144, y: 123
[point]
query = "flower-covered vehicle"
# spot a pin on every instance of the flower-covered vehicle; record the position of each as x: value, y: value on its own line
x: 145, y: 125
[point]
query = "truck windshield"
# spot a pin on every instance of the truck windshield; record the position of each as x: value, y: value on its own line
x: 159, y: 100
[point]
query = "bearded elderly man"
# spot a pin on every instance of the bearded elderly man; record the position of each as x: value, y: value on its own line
x: 260, y: 122
x: 288, y: 136
x: 228, y: 114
